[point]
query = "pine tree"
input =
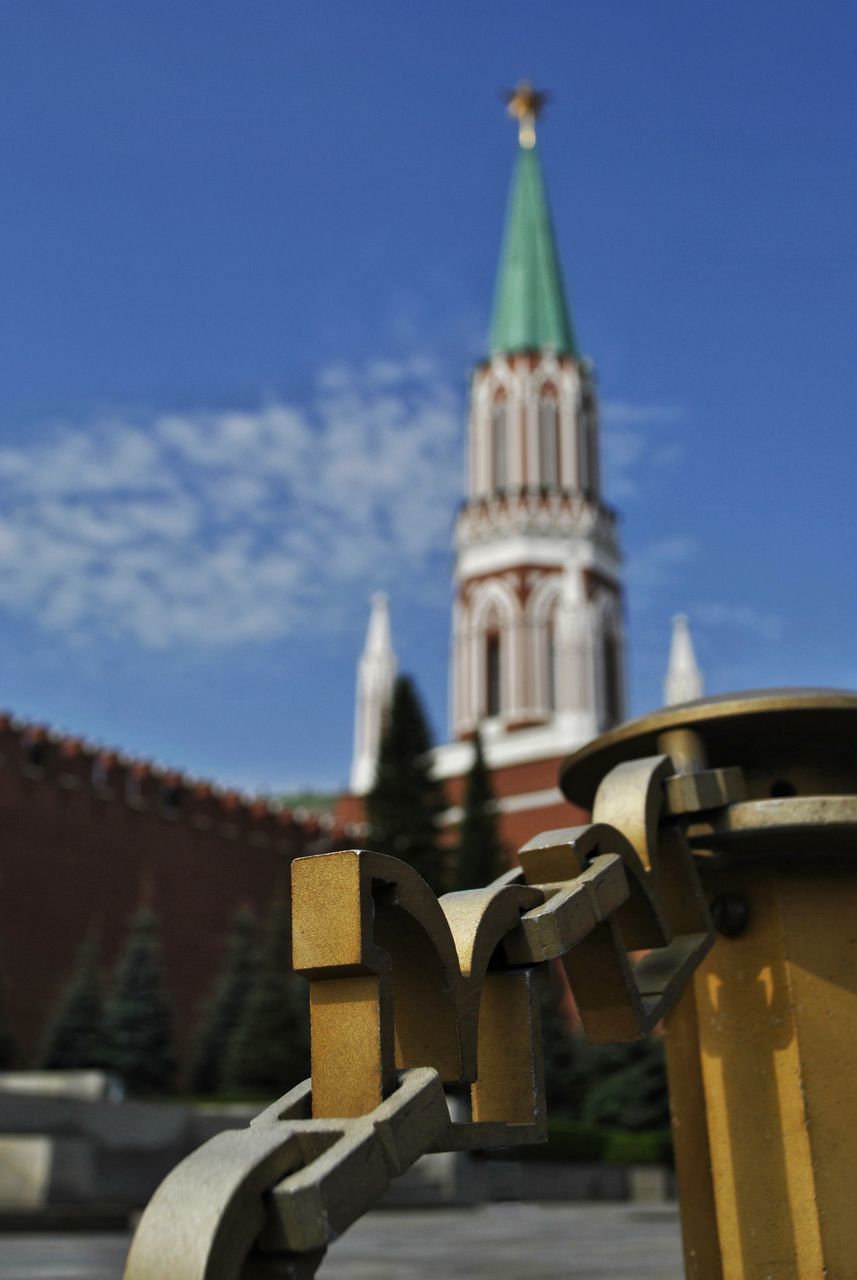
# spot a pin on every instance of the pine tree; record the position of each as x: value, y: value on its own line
x: 559, y: 1048
x: 75, y: 1036
x: 138, y: 1034
x: 404, y: 806
x: 479, y: 854
x: 268, y: 1052
x: 632, y: 1093
x: 224, y: 1009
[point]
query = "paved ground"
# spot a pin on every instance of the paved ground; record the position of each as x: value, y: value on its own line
x: 490, y: 1242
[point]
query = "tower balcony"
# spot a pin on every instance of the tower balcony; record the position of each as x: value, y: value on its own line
x: 537, y: 511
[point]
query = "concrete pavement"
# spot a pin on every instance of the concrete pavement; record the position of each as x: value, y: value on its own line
x: 510, y: 1241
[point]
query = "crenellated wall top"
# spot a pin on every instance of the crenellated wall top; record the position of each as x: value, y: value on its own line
x: 39, y: 754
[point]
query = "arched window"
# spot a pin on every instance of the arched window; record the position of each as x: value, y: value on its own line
x: 493, y: 699
x: 499, y: 446
x: 587, y: 443
x: 583, y: 447
x: 592, y: 449
x: 612, y: 680
x: 548, y: 442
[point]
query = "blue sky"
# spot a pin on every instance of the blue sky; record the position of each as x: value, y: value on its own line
x: 247, y: 260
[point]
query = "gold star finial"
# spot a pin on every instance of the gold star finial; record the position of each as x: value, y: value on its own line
x: 526, y: 104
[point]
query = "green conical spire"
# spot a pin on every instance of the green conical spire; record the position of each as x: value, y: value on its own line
x: 530, y: 308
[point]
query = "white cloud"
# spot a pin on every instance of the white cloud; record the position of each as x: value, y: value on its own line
x: 623, y: 453
x: 656, y: 565
x: 624, y: 413
x: 219, y: 528
x: 739, y: 617
x: 628, y: 449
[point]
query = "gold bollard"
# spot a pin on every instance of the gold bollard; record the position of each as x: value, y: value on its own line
x: 762, y: 1045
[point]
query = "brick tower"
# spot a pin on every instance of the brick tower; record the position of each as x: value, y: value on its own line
x: 538, y: 646
x: 538, y: 634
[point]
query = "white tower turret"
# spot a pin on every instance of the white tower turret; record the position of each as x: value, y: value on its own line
x: 538, y: 633
x: 376, y: 674
x: 684, y: 680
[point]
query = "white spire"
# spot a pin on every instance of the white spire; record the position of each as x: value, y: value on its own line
x: 376, y: 673
x: 378, y: 644
x: 684, y: 680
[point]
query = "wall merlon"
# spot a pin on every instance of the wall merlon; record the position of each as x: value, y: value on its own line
x: 39, y: 754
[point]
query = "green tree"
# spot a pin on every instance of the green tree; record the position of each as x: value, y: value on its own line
x: 479, y: 854
x: 404, y: 806
x: 74, y: 1039
x: 559, y: 1045
x: 223, y: 1011
x: 138, y: 1036
x: 269, y: 1049
x: 633, y: 1094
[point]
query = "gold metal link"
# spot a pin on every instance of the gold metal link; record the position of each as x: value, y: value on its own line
x: 269, y: 1199
x: 409, y: 992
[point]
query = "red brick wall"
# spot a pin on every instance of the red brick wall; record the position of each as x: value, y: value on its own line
x: 517, y: 827
x: 75, y: 857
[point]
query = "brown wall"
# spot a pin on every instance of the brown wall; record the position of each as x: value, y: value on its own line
x: 78, y: 855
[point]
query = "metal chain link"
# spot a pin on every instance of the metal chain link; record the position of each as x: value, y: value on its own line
x: 266, y: 1201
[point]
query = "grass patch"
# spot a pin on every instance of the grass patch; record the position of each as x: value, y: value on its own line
x: 575, y: 1141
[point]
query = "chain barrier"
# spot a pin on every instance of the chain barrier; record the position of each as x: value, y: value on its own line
x: 410, y: 992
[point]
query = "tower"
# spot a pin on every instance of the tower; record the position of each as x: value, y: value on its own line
x: 538, y: 650
x: 684, y: 681
x: 538, y: 635
x: 376, y: 674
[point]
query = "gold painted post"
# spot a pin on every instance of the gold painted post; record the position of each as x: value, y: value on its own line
x: 741, y: 811
x: 762, y: 1046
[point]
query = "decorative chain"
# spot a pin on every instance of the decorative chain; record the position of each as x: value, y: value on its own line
x: 410, y: 992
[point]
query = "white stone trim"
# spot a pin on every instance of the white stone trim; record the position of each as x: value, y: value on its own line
x: 479, y: 412
x: 562, y: 735
x: 474, y: 461
x: 508, y: 553
x: 509, y: 804
x: 541, y: 610
x: 537, y: 515
x: 531, y: 800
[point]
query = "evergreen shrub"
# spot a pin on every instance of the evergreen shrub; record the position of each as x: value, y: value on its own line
x: 138, y: 1032
x: 479, y: 855
x: 74, y: 1040
x: 404, y: 806
x: 268, y: 1052
x: 224, y: 1010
